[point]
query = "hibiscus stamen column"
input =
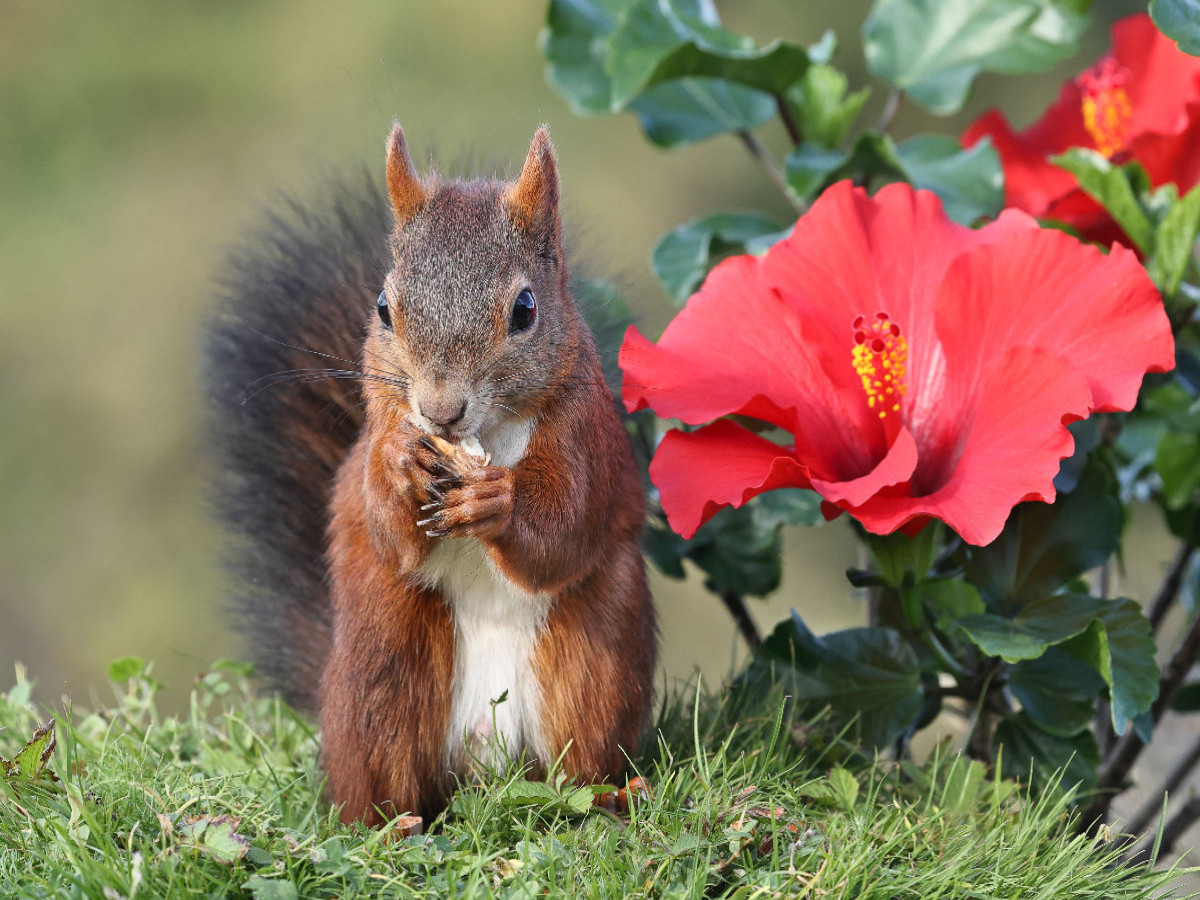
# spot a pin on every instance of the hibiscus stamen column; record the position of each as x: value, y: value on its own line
x: 880, y: 356
x: 1107, y: 111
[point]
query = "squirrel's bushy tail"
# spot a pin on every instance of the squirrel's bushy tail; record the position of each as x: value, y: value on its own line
x: 279, y: 360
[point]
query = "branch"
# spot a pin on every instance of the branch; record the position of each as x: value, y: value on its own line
x: 1153, y: 806
x: 735, y: 603
x: 772, y: 168
x: 1168, y: 589
x: 890, y: 108
x: 789, y: 121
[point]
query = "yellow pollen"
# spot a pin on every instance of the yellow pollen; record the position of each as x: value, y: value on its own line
x: 880, y: 355
x: 1107, y: 110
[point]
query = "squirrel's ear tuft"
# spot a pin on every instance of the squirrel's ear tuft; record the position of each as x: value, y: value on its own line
x: 533, y: 200
x: 403, y: 183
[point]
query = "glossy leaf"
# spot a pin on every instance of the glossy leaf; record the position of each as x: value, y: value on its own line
x: 685, y: 255
x: 1175, y: 241
x: 1028, y: 752
x: 1035, y: 629
x: 1111, y: 186
x: 1112, y: 636
x: 867, y: 675
x: 1180, y: 21
x: 969, y: 182
x: 574, y: 43
x: 1122, y: 651
x: 820, y: 105
x: 1178, y: 464
x: 933, y: 49
x: 693, y: 109
x: 1044, y: 546
x: 1056, y: 691
x: 575, y: 52
x: 658, y: 41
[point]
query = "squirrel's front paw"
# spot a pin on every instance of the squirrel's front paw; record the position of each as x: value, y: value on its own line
x: 477, y: 503
x: 412, y: 465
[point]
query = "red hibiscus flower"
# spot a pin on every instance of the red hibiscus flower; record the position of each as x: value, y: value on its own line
x: 923, y: 369
x: 1141, y: 102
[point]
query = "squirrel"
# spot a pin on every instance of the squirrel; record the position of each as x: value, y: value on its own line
x: 433, y: 607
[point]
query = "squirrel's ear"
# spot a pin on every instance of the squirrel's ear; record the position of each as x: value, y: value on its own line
x: 404, y: 185
x: 533, y: 200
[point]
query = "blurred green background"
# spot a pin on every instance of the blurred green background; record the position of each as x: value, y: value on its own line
x: 139, y: 140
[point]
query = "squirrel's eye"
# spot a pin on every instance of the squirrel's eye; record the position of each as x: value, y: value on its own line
x: 385, y: 314
x: 523, y: 311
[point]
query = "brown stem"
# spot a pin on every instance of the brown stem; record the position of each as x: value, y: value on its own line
x: 890, y: 108
x: 1153, y: 806
x: 735, y: 603
x: 1168, y: 589
x: 789, y: 121
x: 771, y: 167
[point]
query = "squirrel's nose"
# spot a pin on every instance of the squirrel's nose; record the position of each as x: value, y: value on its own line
x: 445, y: 412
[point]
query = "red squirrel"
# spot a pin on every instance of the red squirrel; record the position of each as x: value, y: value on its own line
x: 389, y: 581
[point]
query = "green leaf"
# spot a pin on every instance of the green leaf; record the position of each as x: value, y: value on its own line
x: 821, y: 107
x: 1038, y: 626
x: 672, y: 114
x: 575, y: 52
x: 810, y: 167
x: 950, y: 599
x: 32, y: 761
x: 658, y: 41
x: 1180, y: 21
x: 960, y: 792
x: 684, y: 257
x: 969, y: 182
x: 1044, y: 546
x: 867, y: 675
x: 1178, y: 464
x: 844, y: 787
x: 737, y: 555
x: 1112, y: 636
x: 1026, y: 750
x: 270, y: 888
x: 215, y: 835
x: 1174, y: 242
x: 1113, y: 188
x: 1057, y: 691
x: 692, y: 109
x: 125, y: 668
x: 737, y: 549
x: 1121, y: 649
x: 787, y: 506
x: 933, y: 49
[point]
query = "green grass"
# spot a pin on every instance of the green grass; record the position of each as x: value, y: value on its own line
x: 225, y: 802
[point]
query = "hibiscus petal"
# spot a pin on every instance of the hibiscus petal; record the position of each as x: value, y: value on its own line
x: 722, y: 464
x: 1163, y: 79
x: 895, y: 468
x: 1014, y: 442
x: 739, y: 347
x: 1031, y: 182
x: 1046, y: 289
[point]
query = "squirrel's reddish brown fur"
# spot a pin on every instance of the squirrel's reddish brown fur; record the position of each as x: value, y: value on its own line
x: 535, y: 553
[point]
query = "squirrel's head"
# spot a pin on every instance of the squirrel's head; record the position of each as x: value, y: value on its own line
x: 475, y: 314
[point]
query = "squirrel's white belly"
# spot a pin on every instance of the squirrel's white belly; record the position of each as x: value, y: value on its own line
x: 496, y: 624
